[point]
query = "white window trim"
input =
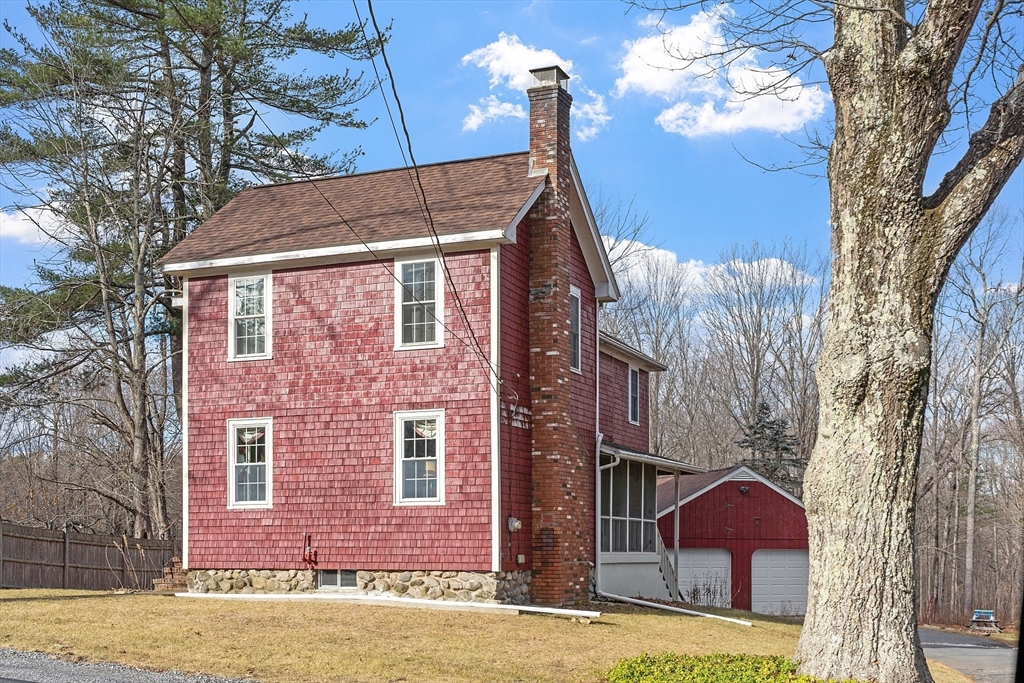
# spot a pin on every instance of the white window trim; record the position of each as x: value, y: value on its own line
x: 574, y: 292
x: 400, y: 417
x: 268, y: 313
x: 629, y: 393
x: 333, y: 589
x: 268, y: 423
x: 439, y: 281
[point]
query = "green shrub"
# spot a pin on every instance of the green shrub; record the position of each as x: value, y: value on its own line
x: 717, y: 668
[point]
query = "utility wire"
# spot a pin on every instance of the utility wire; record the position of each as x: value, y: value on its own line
x: 421, y: 197
x: 313, y: 182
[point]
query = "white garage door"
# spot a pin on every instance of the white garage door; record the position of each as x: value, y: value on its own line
x: 705, y: 576
x: 779, y: 581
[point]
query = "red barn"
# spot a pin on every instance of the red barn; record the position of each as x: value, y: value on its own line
x: 383, y: 398
x: 742, y: 540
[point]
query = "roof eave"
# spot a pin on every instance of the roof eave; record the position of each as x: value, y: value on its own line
x: 606, y: 289
x: 465, y: 241
x: 627, y: 354
x: 651, y: 459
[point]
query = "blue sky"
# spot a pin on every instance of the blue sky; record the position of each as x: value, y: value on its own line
x: 668, y: 139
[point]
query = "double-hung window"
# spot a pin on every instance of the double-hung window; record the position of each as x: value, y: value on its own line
x: 249, y: 317
x: 574, y: 328
x: 250, y: 461
x: 419, y: 457
x: 634, y: 396
x: 419, y: 304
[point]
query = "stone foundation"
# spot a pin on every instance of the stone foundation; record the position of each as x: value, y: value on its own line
x: 251, y: 581
x: 511, y: 588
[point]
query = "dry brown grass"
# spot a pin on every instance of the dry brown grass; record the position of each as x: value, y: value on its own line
x: 314, y: 642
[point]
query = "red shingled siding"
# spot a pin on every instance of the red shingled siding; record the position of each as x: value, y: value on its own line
x: 516, y: 460
x: 331, y: 389
x: 614, y: 388
x: 725, y: 518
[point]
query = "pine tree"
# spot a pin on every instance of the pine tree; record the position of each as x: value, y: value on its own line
x: 773, y: 449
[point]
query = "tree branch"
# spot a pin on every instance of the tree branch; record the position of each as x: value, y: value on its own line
x: 969, y: 189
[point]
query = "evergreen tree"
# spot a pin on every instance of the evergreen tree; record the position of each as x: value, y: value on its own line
x: 773, y: 449
x: 130, y: 123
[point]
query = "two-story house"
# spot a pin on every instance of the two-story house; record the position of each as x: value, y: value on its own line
x: 394, y: 390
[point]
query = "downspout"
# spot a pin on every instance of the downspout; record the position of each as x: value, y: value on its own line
x: 597, y: 514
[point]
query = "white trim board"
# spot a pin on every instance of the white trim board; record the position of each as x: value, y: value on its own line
x: 184, y: 424
x: 464, y: 241
x: 742, y: 474
x: 494, y: 370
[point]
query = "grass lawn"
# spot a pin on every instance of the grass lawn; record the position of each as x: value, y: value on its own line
x: 314, y: 642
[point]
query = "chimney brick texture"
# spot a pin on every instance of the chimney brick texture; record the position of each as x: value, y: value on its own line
x: 562, y: 531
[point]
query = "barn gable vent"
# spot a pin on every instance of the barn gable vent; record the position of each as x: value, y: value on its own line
x: 743, y: 475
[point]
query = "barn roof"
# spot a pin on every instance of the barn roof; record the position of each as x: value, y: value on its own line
x: 692, y: 487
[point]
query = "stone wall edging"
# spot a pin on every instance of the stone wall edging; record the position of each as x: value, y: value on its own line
x: 512, y: 587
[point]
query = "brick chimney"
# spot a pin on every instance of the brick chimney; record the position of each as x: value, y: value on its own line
x: 562, y: 490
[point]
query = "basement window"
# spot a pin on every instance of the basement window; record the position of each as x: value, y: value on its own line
x: 337, y: 579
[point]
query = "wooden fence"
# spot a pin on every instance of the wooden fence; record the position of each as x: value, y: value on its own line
x: 41, y: 558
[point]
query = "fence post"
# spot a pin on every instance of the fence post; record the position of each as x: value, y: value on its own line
x: 64, y: 575
x: 124, y: 564
x: 1, y: 554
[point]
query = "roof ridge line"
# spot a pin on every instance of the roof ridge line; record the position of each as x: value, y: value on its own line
x: 383, y: 170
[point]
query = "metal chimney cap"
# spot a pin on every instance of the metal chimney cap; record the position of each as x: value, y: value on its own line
x: 551, y: 75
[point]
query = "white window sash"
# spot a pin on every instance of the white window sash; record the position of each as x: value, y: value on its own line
x: 267, y: 316
x: 267, y: 424
x: 576, y: 345
x: 437, y: 320
x: 401, y: 417
x: 634, y: 396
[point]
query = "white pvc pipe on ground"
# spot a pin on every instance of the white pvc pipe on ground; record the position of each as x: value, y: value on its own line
x: 385, y: 601
x: 680, y: 610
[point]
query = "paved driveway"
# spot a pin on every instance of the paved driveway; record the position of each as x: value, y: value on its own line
x: 983, y: 659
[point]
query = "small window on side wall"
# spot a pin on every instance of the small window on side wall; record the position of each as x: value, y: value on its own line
x: 634, y: 396
x: 574, y: 329
x: 249, y: 324
x: 250, y: 463
x: 419, y: 457
x: 419, y: 304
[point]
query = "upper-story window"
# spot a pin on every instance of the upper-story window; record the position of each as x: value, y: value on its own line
x: 249, y: 463
x: 419, y: 457
x: 419, y: 304
x: 574, y: 328
x: 634, y: 396
x: 250, y: 320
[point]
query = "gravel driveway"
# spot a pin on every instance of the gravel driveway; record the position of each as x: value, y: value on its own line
x: 35, y: 667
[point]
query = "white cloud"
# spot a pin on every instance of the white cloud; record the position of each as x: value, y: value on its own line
x: 593, y: 116
x: 508, y: 61
x: 491, y: 109
x: 708, y: 93
x: 28, y: 226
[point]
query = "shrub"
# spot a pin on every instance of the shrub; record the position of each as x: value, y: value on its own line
x: 717, y: 668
